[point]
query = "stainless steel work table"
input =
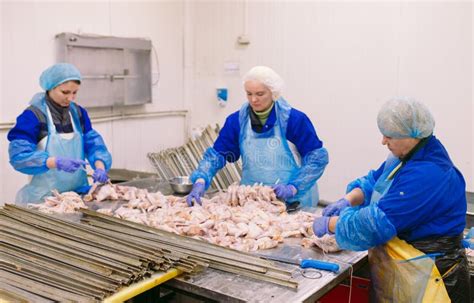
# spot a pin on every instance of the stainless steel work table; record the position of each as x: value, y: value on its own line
x: 223, y: 286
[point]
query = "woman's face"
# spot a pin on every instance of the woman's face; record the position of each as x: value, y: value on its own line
x: 64, y: 93
x: 259, y: 96
x: 400, y: 147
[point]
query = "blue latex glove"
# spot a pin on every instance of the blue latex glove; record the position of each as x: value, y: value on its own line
x: 321, y: 226
x: 100, y: 175
x: 284, y: 192
x: 196, y: 193
x: 69, y: 165
x: 334, y: 209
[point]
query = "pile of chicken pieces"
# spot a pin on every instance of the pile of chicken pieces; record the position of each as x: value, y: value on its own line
x: 245, y: 218
x: 65, y: 203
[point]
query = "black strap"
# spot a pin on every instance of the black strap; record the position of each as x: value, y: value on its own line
x: 257, y: 125
x: 445, y: 244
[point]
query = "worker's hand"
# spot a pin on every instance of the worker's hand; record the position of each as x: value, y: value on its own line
x: 334, y: 209
x: 100, y: 175
x: 196, y: 193
x: 284, y: 192
x: 69, y: 165
x: 321, y: 226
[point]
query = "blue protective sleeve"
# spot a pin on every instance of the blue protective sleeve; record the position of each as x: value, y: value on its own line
x: 95, y: 149
x: 311, y: 170
x: 300, y: 131
x: 212, y: 161
x: 227, y: 143
x: 360, y: 228
x: 366, y: 183
x: 26, y: 159
x: 94, y: 146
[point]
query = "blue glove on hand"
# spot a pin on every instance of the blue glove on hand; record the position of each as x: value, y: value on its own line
x: 321, y: 226
x: 284, y: 192
x: 334, y: 209
x: 69, y: 165
x: 100, y: 175
x: 196, y: 193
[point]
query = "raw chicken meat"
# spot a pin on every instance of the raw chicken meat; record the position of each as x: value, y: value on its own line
x: 245, y: 218
x: 65, y: 203
x: 326, y: 243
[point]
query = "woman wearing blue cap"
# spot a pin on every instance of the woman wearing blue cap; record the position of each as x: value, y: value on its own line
x: 53, y: 136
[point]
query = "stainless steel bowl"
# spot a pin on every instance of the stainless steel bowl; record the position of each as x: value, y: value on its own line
x: 181, y: 184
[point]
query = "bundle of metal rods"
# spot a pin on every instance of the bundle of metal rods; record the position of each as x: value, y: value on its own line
x: 52, y: 258
x: 217, y: 257
x: 45, y: 258
x: 183, y: 160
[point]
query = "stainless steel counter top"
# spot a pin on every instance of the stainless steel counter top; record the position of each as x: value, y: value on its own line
x: 222, y: 286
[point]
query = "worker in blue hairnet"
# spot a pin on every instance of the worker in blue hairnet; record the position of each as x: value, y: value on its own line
x: 262, y: 133
x: 410, y: 213
x: 53, y: 136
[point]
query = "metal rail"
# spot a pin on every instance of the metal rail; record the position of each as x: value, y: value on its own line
x: 183, y: 160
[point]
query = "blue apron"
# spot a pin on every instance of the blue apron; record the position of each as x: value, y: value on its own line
x: 42, y: 184
x: 267, y: 157
x: 385, y: 180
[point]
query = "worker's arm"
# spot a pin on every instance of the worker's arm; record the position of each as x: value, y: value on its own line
x: 361, y: 228
x: 366, y: 186
x: 301, y: 133
x: 226, y: 148
x: 355, y: 197
x: 94, y: 146
x: 23, y: 137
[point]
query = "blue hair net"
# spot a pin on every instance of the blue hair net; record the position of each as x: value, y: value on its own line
x: 212, y: 161
x: 360, y: 228
x: 403, y: 117
x: 58, y: 74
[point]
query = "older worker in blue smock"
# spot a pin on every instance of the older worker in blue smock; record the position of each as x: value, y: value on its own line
x: 410, y: 213
x: 261, y: 133
x: 53, y: 136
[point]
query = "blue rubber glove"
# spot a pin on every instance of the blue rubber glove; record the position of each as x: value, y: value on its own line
x: 334, y: 209
x: 284, y: 192
x: 196, y: 193
x: 100, y: 175
x: 321, y: 226
x: 69, y: 165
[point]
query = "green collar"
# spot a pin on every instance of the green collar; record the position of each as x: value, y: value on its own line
x: 263, y: 116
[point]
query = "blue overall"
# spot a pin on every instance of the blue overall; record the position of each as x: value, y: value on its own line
x: 267, y: 157
x: 42, y: 184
